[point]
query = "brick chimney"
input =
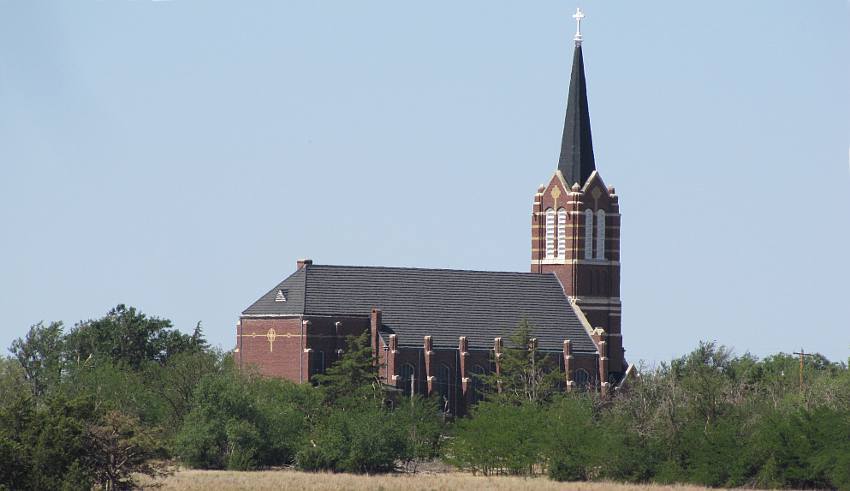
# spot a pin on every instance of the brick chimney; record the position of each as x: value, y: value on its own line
x: 303, y: 262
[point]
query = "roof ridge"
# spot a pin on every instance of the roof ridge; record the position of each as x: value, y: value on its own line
x: 414, y: 268
x: 306, y: 269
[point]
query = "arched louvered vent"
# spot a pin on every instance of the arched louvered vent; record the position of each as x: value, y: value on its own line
x: 600, y: 234
x: 588, y: 234
x: 550, y: 233
x: 562, y: 233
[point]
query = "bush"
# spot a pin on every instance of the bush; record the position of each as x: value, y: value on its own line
x: 500, y: 439
x: 358, y: 441
x: 40, y: 446
x: 419, y: 421
x: 577, y: 447
x: 244, y: 422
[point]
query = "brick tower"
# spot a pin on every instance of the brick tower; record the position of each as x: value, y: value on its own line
x: 575, y: 227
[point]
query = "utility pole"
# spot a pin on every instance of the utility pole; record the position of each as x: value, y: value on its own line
x: 802, y: 354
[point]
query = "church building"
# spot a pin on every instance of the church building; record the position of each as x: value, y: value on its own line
x: 433, y: 329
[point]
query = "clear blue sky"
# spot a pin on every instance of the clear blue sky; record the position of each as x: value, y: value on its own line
x: 180, y: 155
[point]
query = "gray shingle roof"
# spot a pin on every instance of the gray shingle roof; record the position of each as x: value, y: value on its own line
x: 442, y: 303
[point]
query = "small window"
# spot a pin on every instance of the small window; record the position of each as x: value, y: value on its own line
x: 406, y: 378
x: 562, y: 233
x: 444, y: 384
x: 318, y: 365
x: 550, y: 233
x: 588, y: 234
x: 281, y: 296
x: 600, y: 234
x: 478, y: 374
x: 582, y: 378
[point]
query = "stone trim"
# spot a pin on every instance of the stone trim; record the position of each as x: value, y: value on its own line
x: 581, y: 317
x: 589, y: 262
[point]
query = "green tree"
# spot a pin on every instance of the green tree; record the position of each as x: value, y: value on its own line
x: 357, y: 432
x: 577, y: 445
x: 419, y: 421
x: 354, y: 379
x: 45, y: 446
x: 240, y: 421
x: 40, y: 356
x: 118, y: 447
x: 526, y: 373
x: 17, y: 414
x: 115, y: 387
x: 359, y: 440
x: 500, y: 438
x: 704, y: 375
x: 129, y: 337
x: 174, y: 382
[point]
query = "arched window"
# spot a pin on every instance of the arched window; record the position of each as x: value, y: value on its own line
x: 600, y: 234
x: 582, y: 378
x: 588, y: 234
x: 406, y: 379
x: 444, y: 385
x: 562, y: 233
x: 318, y: 363
x: 478, y: 374
x: 550, y: 233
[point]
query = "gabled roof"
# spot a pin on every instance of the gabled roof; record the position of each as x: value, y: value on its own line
x: 295, y: 294
x: 442, y: 303
x: 576, y: 161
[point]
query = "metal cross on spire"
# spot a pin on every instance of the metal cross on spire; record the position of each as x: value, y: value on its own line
x: 578, y: 16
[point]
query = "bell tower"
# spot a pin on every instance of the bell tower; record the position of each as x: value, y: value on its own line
x: 575, y: 224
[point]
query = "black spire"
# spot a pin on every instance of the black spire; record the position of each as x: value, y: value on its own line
x: 576, y: 162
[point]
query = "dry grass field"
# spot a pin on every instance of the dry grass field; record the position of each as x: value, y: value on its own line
x: 191, y: 480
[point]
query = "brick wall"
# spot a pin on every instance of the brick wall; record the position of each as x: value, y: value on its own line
x: 274, y: 354
x: 594, y: 284
x: 429, y: 365
x: 326, y: 336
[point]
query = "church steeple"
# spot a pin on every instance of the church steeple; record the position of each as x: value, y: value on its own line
x: 575, y: 230
x: 576, y: 162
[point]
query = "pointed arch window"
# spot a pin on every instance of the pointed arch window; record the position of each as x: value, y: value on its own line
x: 407, y: 380
x: 588, y: 234
x: 318, y: 363
x: 600, y: 234
x: 582, y: 378
x: 478, y: 374
x: 562, y: 233
x: 445, y: 385
x: 550, y: 233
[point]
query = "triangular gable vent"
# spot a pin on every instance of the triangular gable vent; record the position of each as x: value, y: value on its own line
x: 280, y: 297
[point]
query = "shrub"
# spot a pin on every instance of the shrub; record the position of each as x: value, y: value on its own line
x: 577, y: 446
x: 360, y: 441
x: 244, y: 422
x: 500, y: 439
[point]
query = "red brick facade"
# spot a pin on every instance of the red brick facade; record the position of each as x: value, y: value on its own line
x: 430, y: 366
x: 582, y: 248
x: 295, y: 348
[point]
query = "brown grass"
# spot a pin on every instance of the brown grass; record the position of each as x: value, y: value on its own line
x: 186, y: 480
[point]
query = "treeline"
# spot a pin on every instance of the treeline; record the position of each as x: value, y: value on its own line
x: 708, y: 418
x: 128, y: 393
